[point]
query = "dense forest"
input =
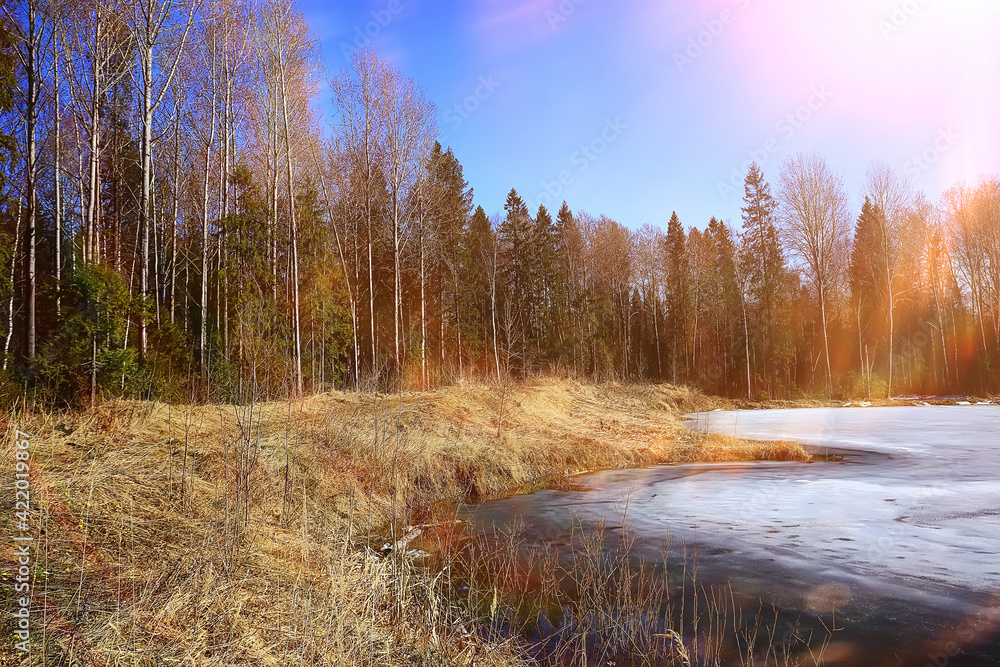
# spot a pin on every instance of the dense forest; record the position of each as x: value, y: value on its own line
x: 175, y: 224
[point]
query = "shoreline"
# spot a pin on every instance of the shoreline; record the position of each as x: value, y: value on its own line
x: 153, y: 518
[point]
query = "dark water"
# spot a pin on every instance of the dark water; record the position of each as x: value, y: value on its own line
x: 901, y: 536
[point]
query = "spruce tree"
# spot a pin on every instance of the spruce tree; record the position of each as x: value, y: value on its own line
x: 564, y: 312
x: 516, y: 238
x: 763, y: 263
x: 677, y: 295
x: 478, y: 244
x: 865, y: 278
x: 543, y: 265
x: 450, y: 209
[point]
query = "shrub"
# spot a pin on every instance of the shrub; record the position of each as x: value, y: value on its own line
x: 89, y: 345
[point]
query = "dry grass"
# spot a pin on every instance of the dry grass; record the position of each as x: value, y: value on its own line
x: 591, y: 598
x: 221, y: 535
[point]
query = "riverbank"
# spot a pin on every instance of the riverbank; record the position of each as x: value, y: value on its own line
x: 254, y: 535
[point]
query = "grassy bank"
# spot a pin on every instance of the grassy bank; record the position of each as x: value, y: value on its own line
x: 240, y: 535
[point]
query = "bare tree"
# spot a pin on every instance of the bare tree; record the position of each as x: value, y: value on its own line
x: 290, y: 52
x: 815, y: 224
x: 55, y: 15
x: 32, y: 34
x: 970, y: 253
x: 332, y: 164
x: 744, y: 285
x: 987, y: 200
x: 490, y: 261
x: 409, y: 134
x: 203, y: 76
x: 92, y: 41
x: 356, y: 94
x: 938, y: 263
x: 149, y: 21
x: 424, y: 198
x: 700, y: 250
x: 177, y: 86
x: 648, y: 242
x: 897, y: 241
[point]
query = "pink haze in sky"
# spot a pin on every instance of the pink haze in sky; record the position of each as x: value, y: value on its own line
x: 698, y: 88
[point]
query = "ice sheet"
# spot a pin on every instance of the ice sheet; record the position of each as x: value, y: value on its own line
x: 907, y: 525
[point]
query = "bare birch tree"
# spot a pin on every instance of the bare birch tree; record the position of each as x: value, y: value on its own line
x: 815, y: 223
x: 149, y: 22
x: 32, y: 33
x: 356, y: 94
x: 409, y: 135
x: 290, y: 51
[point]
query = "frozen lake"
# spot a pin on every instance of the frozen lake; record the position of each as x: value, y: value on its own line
x: 904, y: 531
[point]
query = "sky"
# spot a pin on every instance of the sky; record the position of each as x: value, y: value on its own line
x: 637, y: 108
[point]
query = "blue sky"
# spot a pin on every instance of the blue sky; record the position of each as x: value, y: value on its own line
x: 636, y: 108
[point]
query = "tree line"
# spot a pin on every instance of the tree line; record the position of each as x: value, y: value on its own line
x: 174, y: 223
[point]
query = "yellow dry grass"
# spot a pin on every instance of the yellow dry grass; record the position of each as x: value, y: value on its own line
x: 197, y: 535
